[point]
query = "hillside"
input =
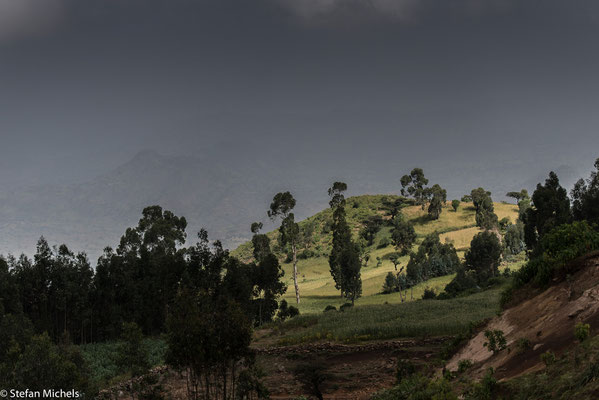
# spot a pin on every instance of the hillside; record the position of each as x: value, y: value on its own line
x: 316, y: 284
x: 545, y: 321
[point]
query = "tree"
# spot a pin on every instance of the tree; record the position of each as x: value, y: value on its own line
x: 390, y: 284
x: 522, y: 199
x: 403, y: 235
x: 455, y: 204
x: 551, y: 208
x: 585, y: 198
x: 372, y: 225
x: 281, y: 207
x: 132, y: 354
x: 344, y: 260
x: 485, y: 213
x: 208, y: 329
x: 136, y: 282
x: 514, y: 238
x: 432, y: 259
x: 414, y: 185
x: 484, y: 256
x: 267, y: 287
x: 438, y: 197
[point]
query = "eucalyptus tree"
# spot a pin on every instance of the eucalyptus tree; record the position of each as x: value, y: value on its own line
x: 281, y: 207
x: 344, y: 259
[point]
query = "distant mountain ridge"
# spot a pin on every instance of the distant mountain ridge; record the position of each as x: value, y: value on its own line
x: 223, y: 195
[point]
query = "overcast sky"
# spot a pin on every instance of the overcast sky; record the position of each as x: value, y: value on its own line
x: 84, y: 85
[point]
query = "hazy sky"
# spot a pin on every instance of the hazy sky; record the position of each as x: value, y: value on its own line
x: 84, y: 85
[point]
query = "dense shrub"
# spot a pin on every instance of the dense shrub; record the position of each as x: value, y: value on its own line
x: 286, y: 311
x: 582, y: 331
x: 557, y: 248
x: 432, y: 259
x: 429, y: 294
x: 495, y: 341
x: 405, y: 369
x: 330, y: 308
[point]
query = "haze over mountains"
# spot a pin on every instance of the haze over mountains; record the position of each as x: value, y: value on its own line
x: 225, y: 194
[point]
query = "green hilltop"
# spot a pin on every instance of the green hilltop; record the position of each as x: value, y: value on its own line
x: 317, y: 289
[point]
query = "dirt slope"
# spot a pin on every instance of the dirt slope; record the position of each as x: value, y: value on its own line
x: 547, y: 320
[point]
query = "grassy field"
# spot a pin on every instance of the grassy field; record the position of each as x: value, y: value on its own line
x: 317, y: 289
x: 414, y: 319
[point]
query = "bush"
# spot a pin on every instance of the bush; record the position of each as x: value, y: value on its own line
x: 132, y: 353
x: 405, y: 369
x: 582, y: 331
x: 557, y: 248
x: 390, y: 285
x: 455, y: 204
x: 495, y: 341
x: 522, y: 345
x: 384, y: 242
x: 305, y: 254
x: 464, y: 365
x: 429, y: 294
x: 548, y: 358
x: 345, y: 306
x: 286, y: 311
x: 330, y: 308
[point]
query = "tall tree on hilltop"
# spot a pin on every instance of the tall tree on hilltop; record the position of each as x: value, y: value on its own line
x: 485, y: 211
x: 585, y: 198
x: 344, y: 260
x: 438, y: 197
x: 551, y: 208
x: 281, y: 207
x: 414, y: 185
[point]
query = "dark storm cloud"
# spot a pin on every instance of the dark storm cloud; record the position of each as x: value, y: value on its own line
x: 85, y: 84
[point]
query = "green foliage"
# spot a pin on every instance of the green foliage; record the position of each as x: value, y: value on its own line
x: 455, y: 204
x: 485, y: 213
x: 432, y: 259
x: 585, y: 198
x: 344, y: 260
x: 403, y: 235
x: 330, y: 308
x: 312, y: 376
x: 514, y: 238
x: 132, y: 355
x: 548, y: 358
x: 438, y: 197
x: 418, y: 387
x: 582, y: 331
x: 558, y: 247
x: 485, y: 389
x: 464, y: 365
x: 483, y: 257
x: 404, y: 370
x: 390, y: 285
x: 414, y: 185
x: 429, y: 294
x: 463, y: 281
x: 286, y: 311
x: 372, y: 225
x: 388, y: 321
x: 522, y: 345
x: 384, y: 242
x: 495, y: 341
x: 551, y: 209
